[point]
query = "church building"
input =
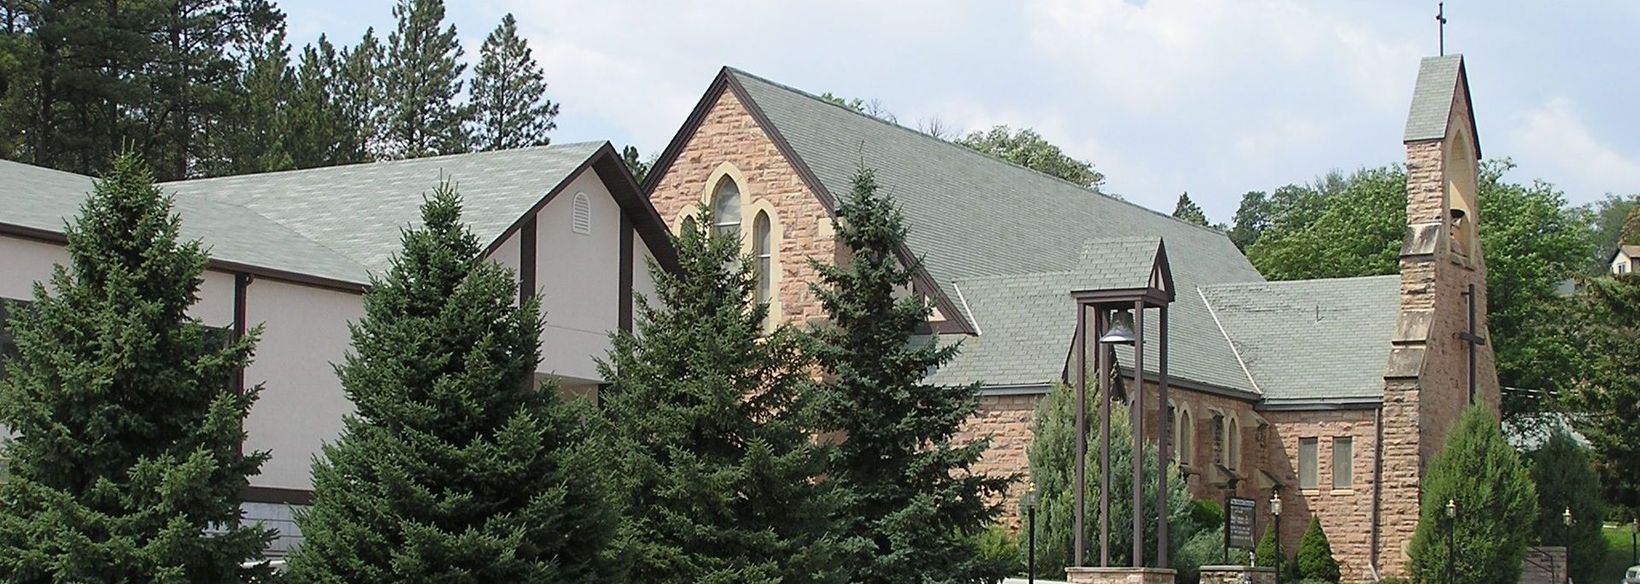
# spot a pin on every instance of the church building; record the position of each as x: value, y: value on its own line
x: 1334, y: 393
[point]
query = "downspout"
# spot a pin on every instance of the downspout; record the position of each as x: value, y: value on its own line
x: 1377, y: 488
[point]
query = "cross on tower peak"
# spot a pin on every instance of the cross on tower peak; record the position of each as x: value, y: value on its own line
x: 1440, y: 17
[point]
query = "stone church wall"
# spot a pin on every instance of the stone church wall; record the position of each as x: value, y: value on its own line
x: 1345, y: 513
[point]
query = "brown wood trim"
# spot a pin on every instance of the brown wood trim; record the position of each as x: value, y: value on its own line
x: 278, y: 495
x: 47, y: 236
x: 526, y: 259
x: 623, y: 310
x: 541, y: 203
x: 685, y: 132
x: 921, y: 280
x: 646, y: 221
x: 241, y: 305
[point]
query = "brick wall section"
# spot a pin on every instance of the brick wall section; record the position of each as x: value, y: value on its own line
x: 1430, y: 389
x: 1346, y: 514
x: 1007, y: 420
x: 730, y: 134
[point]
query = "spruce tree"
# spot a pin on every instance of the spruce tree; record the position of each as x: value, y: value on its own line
x: 127, y: 445
x: 1566, y: 481
x: 421, y: 82
x: 708, y: 433
x: 510, y: 105
x: 1482, y: 475
x: 1188, y: 210
x: 1315, y: 557
x: 916, y: 504
x: 453, y: 468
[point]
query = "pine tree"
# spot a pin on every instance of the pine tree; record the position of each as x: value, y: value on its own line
x: 258, y: 139
x: 707, y: 430
x: 1315, y: 556
x: 1052, y: 465
x: 454, y: 468
x: 1567, y: 483
x: 510, y: 105
x: 1188, y: 210
x: 318, y: 131
x: 916, y: 503
x: 1482, y: 475
x: 421, y: 82
x: 636, y: 163
x: 358, y: 95
x: 128, y: 425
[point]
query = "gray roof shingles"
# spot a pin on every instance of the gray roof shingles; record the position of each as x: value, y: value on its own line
x: 978, y: 222
x: 1432, y: 97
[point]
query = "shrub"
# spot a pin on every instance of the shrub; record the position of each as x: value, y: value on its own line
x: 1204, y: 549
x: 1265, y: 554
x: 1207, y: 514
x: 999, y: 546
x: 1566, y: 480
x: 1484, y: 476
x: 1315, y: 556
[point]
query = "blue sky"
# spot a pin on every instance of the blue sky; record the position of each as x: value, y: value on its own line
x: 1211, y: 97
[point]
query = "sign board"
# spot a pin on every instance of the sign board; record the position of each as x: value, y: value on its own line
x: 1239, y: 523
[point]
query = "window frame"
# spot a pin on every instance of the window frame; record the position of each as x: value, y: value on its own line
x: 1347, y: 464
x: 763, y: 257
x: 1313, y: 464
x: 726, y: 197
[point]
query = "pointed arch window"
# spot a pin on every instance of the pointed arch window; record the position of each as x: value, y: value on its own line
x: 1232, y: 442
x: 763, y: 254
x: 726, y: 207
x: 1186, y: 439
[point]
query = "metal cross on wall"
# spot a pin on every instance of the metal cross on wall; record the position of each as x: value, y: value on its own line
x: 1472, y: 338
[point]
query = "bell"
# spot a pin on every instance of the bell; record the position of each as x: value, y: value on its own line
x: 1121, y: 330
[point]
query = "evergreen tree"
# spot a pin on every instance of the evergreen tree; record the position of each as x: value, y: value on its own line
x: 916, y: 503
x: 258, y: 139
x: 1053, y: 466
x: 1264, y: 554
x: 358, y: 95
x: 454, y: 467
x: 1480, y: 473
x: 1315, y: 556
x: 708, y: 432
x: 319, y: 133
x: 1188, y: 210
x: 1567, y: 483
x: 1603, y: 323
x: 636, y: 164
x: 127, y: 424
x: 510, y: 102
x: 421, y: 81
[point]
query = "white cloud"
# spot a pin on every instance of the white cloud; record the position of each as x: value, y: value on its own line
x: 1554, y: 135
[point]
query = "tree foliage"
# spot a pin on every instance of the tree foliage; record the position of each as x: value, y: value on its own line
x: 636, y: 163
x: 126, y: 463
x: 1188, y: 210
x: 510, y: 105
x: 1029, y: 149
x: 1315, y: 556
x: 1488, y: 483
x: 421, y: 79
x: 455, y: 467
x: 1567, y: 483
x: 707, y: 433
x: 1610, y: 216
x: 915, y: 503
x: 1052, y: 465
x: 1602, y: 323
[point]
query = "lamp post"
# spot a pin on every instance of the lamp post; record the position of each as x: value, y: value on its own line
x: 1275, y: 510
x: 1634, y: 541
x: 1030, y: 534
x: 1451, y: 541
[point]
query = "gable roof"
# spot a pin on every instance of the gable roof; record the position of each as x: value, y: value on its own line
x: 343, y: 223
x: 1440, y: 79
x: 1632, y: 251
x: 976, y: 220
x: 1308, y: 340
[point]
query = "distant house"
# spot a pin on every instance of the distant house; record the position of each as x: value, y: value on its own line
x: 1625, y: 259
x: 294, y: 251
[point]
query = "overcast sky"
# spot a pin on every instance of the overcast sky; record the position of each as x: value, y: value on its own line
x: 1211, y: 97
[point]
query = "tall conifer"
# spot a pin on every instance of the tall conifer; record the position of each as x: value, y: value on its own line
x: 916, y: 503
x: 707, y: 433
x: 126, y: 465
x: 454, y: 467
x: 510, y: 105
x: 421, y: 83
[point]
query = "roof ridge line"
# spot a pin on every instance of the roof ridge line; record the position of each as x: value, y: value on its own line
x: 1229, y: 341
x: 373, y: 163
x: 816, y: 98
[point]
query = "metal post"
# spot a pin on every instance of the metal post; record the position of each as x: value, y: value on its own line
x: 1137, y: 396
x: 1104, y: 356
x: 1030, y: 558
x: 1165, y: 460
x: 1278, y: 549
x: 1080, y: 345
x: 1451, y: 550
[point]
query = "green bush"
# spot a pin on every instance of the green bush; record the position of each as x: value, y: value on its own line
x: 1496, y: 505
x: 1204, y: 549
x: 1265, y: 555
x: 999, y: 546
x: 1207, y: 514
x: 1315, y: 556
x: 1566, y: 480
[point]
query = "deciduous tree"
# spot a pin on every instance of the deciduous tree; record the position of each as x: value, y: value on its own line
x: 1027, y: 148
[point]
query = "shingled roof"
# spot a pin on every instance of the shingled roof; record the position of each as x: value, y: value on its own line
x: 1440, y: 81
x: 1006, y: 240
x: 342, y: 223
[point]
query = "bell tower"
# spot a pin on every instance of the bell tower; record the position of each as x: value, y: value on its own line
x: 1440, y: 358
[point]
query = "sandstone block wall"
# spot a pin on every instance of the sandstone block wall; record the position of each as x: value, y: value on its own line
x: 1345, y: 514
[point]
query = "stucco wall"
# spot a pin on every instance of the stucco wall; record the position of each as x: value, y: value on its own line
x: 578, y: 277
x: 25, y: 261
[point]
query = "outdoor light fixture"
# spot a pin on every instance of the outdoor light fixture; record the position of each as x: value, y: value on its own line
x: 1567, y: 517
x: 1121, y: 330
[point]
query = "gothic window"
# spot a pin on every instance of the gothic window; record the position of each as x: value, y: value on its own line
x: 580, y: 218
x: 726, y: 208
x: 763, y: 253
x: 1184, y: 441
x: 1232, y: 441
x: 1308, y: 465
x: 1343, y: 469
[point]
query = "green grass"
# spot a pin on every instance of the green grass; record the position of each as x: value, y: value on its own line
x: 1618, y: 555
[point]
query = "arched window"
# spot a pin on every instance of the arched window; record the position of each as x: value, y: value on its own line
x: 763, y: 253
x: 726, y: 208
x: 1232, y: 433
x: 1186, y: 438
x: 1460, y: 193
